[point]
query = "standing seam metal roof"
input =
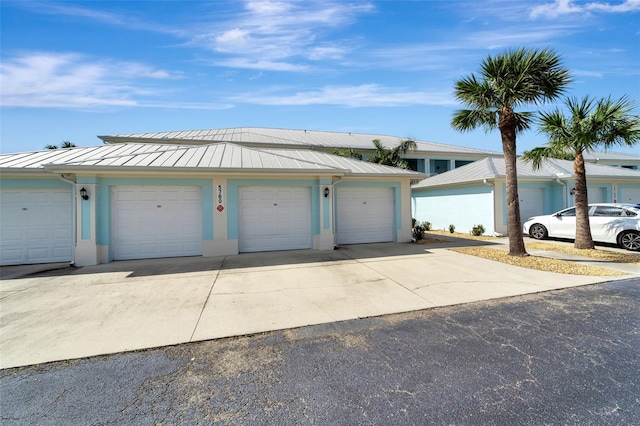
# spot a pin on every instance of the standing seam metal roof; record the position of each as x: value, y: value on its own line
x: 492, y: 168
x: 288, y: 137
x: 217, y: 156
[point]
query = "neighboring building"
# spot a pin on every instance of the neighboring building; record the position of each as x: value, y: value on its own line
x: 616, y: 159
x: 429, y: 158
x: 132, y: 201
x: 476, y: 193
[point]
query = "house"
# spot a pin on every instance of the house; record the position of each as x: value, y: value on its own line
x: 94, y: 205
x: 475, y: 194
x: 429, y: 158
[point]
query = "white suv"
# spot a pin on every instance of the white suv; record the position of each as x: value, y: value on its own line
x: 610, y: 223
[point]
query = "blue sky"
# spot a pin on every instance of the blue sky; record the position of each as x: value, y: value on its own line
x: 72, y: 70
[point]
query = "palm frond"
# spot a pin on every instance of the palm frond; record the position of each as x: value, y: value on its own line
x: 466, y: 120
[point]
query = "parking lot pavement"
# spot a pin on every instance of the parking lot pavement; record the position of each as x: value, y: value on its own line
x: 71, y: 313
x: 561, y: 357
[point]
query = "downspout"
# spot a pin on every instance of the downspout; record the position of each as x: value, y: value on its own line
x: 565, y: 197
x: 74, y: 217
x: 493, y: 206
x: 333, y: 211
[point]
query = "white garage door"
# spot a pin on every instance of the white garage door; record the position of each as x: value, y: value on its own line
x: 364, y: 215
x: 530, y: 202
x: 36, y: 226
x: 595, y: 194
x: 272, y: 218
x: 629, y: 195
x: 153, y: 222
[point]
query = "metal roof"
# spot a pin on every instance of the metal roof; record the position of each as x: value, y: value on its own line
x: 275, y: 138
x: 355, y: 166
x: 217, y: 157
x: 610, y: 156
x: 492, y: 168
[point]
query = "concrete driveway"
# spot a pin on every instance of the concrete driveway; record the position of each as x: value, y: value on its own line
x: 71, y: 313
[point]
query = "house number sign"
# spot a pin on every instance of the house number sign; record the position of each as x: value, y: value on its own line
x: 219, y: 198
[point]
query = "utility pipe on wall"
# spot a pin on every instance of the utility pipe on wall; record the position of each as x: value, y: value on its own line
x: 74, y: 217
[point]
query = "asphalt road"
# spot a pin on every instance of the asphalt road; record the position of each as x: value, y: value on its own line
x: 562, y: 357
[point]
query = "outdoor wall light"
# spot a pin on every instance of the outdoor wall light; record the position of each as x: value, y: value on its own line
x: 572, y: 191
x: 326, y: 192
x: 83, y: 194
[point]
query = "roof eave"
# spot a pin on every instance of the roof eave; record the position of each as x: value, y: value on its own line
x: 453, y: 184
x: 226, y: 170
x: 388, y: 175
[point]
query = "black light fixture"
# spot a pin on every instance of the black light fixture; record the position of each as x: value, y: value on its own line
x: 83, y: 194
x: 326, y: 191
x: 572, y: 191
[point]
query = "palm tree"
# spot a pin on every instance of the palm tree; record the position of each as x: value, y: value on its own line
x: 512, y: 79
x: 65, y: 144
x: 347, y: 152
x: 392, y: 157
x: 592, y: 124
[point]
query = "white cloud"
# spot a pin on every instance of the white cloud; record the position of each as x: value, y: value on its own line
x: 365, y: 95
x: 130, y: 21
x: 287, y: 34
x: 68, y: 80
x: 568, y: 7
x: 624, y: 7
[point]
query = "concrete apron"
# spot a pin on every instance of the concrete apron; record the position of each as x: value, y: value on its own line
x: 122, y: 306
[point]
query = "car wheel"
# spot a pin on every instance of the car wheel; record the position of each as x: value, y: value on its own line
x: 629, y: 240
x: 538, y: 231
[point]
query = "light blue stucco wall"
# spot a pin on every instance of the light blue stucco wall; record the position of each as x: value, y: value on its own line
x: 326, y: 204
x: 463, y: 207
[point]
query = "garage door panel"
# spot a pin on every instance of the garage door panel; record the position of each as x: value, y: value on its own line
x: 37, y: 235
x: 530, y: 202
x: 274, y: 218
x: 155, y: 222
x: 365, y: 215
x: 38, y: 253
x: 595, y: 195
x: 37, y: 226
x: 11, y: 256
x: 629, y: 195
x: 10, y: 236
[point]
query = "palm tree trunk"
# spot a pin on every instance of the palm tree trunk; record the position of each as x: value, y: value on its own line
x: 584, y: 240
x: 507, y: 126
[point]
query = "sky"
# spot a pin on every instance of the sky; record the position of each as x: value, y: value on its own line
x: 73, y: 70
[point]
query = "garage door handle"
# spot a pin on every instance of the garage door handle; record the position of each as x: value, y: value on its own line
x: 158, y: 206
x: 275, y: 204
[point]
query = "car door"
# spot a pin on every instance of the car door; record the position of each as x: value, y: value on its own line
x: 600, y: 219
x: 606, y: 222
x: 563, y: 224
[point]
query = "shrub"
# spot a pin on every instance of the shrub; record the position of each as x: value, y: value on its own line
x: 477, y: 230
x: 413, y: 222
x: 452, y: 228
x: 418, y: 232
x: 426, y: 225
